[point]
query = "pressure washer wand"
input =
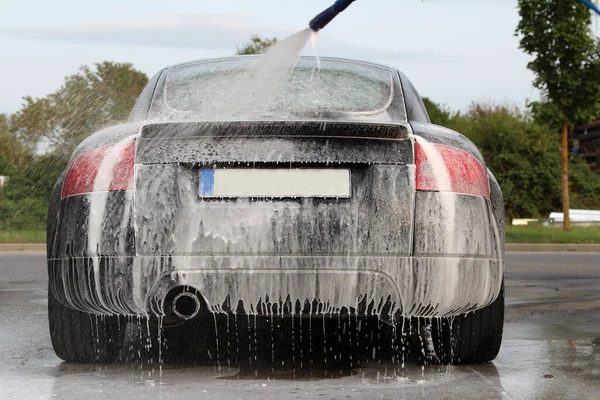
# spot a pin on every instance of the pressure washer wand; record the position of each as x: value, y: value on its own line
x: 320, y: 21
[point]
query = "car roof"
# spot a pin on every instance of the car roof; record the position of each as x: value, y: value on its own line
x: 230, y: 58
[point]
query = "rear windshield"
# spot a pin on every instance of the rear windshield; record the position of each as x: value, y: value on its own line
x: 235, y: 88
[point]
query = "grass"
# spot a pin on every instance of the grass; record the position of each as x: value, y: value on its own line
x: 552, y: 234
x: 514, y: 234
x: 22, y: 236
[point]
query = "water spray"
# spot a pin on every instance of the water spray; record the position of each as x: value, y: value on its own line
x: 320, y: 21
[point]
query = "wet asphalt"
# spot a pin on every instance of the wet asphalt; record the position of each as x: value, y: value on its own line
x: 551, y: 349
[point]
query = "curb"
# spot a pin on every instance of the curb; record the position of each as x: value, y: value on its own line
x: 22, y: 247
x: 551, y: 247
x: 509, y: 247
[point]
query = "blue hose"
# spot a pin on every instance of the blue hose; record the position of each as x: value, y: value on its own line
x: 320, y: 21
x: 590, y: 5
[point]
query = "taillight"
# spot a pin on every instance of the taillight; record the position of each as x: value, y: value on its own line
x: 464, y: 172
x: 106, y: 168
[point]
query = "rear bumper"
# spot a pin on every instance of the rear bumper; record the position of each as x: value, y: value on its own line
x: 411, y: 286
x: 121, y: 252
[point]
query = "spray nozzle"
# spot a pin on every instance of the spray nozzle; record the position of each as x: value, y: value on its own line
x: 320, y: 21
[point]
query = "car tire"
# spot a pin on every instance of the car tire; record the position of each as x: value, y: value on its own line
x: 471, y: 338
x: 80, y: 337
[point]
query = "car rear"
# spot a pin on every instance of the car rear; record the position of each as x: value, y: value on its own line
x: 281, y: 210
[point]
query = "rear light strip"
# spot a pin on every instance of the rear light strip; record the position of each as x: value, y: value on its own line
x: 110, y: 168
x: 466, y: 174
x: 106, y: 168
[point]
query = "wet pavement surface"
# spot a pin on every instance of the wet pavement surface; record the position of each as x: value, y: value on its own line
x: 551, y: 349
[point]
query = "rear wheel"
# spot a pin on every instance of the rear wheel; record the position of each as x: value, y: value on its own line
x: 81, y: 337
x: 471, y: 338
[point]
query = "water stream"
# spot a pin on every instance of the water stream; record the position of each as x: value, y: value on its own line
x: 262, y: 80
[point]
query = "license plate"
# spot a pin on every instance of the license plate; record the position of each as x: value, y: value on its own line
x: 275, y: 183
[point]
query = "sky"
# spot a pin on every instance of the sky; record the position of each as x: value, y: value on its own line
x: 454, y: 51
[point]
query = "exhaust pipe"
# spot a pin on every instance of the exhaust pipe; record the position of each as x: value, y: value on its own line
x: 184, y: 303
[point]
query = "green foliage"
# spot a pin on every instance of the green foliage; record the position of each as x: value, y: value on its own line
x: 525, y: 158
x: 12, y: 152
x: 36, y: 179
x: 438, y: 114
x: 566, y: 55
x: 552, y: 234
x: 24, y: 214
x: 585, y: 185
x: 36, y: 236
x: 88, y: 101
x: 257, y: 45
x: 566, y: 64
x: 24, y: 199
x: 547, y: 114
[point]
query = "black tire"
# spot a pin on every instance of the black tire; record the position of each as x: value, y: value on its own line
x: 475, y: 337
x: 79, y: 337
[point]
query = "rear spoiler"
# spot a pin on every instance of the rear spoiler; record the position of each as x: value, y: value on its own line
x: 280, y: 129
x: 299, y: 142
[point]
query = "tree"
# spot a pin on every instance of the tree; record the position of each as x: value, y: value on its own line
x: 566, y: 63
x: 547, y: 114
x: 524, y: 155
x: 12, y: 153
x: 257, y: 45
x: 438, y: 114
x: 24, y: 198
x: 88, y: 101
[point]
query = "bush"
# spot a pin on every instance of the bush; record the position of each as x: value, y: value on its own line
x: 35, y: 180
x: 584, y: 184
x: 24, y: 199
x: 525, y: 158
x: 23, y: 214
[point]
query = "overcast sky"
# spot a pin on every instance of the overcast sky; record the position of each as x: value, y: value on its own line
x: 454, y: 51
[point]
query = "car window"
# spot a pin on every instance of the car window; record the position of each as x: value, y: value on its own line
x: 415, y: 109
x: 142, y: 105
x: 229, y: 88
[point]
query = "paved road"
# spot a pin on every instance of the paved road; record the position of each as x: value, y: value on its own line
x: 551, y: 349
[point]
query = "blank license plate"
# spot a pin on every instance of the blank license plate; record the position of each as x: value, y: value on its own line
x: 275, y: 183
